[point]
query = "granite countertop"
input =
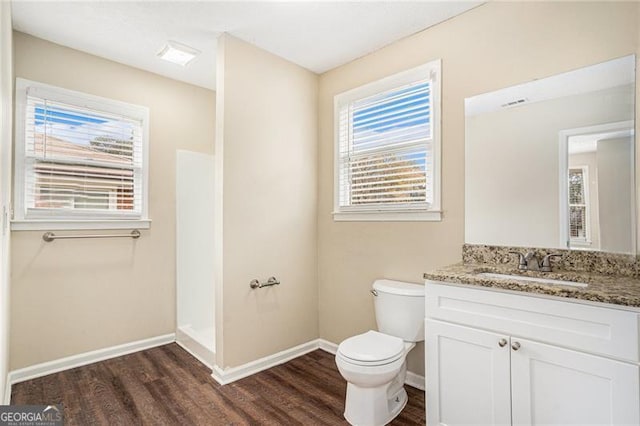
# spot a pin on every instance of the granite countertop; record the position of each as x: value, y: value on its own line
x: 613, y: 289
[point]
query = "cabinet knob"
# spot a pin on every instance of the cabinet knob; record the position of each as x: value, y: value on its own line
x: 502, y: 343
x: 515, y: 346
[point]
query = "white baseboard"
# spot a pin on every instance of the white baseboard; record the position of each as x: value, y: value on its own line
x: 7, y: 391
x: 412, y: 379
x: 221, y: 376
x: 415, y: 380
x: 327, y: 346
x: 196, y: 350
x: 50, y: 367
x: 232, y: 374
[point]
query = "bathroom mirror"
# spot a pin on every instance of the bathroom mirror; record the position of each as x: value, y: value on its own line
x: 551, y: 163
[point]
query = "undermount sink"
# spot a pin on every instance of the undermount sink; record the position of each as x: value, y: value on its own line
x: 533, y: 280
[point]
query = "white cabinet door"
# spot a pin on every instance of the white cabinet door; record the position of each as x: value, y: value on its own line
x: 467, y: 376
x: 555, y: 386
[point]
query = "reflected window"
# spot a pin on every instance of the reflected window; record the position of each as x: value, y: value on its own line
x: 578, y: 205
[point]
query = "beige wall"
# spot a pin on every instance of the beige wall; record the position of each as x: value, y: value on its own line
x: 493, y: 46
x: 6, y: 83
x: 267, y: 177
x: 75, y: 296
x: 615, y: 176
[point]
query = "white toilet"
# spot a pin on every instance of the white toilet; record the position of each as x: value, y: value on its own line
x: 374, y: 363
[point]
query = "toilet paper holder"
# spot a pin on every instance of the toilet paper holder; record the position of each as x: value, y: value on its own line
x: 268, y: 283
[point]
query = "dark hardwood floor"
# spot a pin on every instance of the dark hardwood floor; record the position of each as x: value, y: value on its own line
x: 167, y: 386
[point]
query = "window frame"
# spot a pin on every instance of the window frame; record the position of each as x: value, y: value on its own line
x: 54, y: 220
x: 579, y: 241
x: 392, y: 212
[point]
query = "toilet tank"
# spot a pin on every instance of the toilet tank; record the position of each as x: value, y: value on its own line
x: 399, y: 308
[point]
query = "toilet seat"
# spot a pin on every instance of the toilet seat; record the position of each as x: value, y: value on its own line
x: 371, y: 349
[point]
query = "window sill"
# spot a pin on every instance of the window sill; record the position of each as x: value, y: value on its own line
x: 390, y: 216
x: 581, y: 245
x: 59, y: 225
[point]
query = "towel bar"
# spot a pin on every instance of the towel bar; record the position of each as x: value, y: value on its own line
x: 50, y: 236
x: 257, y: 284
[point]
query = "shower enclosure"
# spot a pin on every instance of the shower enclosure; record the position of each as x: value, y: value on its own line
x: 195, y: 293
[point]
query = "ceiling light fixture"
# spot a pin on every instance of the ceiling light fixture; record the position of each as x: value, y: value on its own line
x: 178, y: 53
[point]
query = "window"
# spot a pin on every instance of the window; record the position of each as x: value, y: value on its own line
x: 578, y: 205
x: 387, y: 148
x: 81, y: 161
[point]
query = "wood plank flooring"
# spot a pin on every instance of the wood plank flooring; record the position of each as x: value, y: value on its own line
x: 167, y: 386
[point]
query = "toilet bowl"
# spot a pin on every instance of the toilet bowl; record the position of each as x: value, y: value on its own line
x: 375, y: 378
x: 374, y: 363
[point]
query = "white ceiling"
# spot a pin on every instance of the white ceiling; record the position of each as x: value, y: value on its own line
x: 316, y: 35
x: 580, y: 144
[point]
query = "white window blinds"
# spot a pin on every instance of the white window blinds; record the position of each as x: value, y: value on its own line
x: 578, y: 208
x: 385, y: 144
x: 80, y: 160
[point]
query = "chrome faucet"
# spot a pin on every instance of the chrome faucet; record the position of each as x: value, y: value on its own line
x: 522, y: 262
x: 533, y: 264
x: 529, y: 261
x: 546, y: 262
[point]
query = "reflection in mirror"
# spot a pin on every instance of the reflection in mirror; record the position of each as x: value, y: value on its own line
x: 601, y: 191
x: 550, y: 163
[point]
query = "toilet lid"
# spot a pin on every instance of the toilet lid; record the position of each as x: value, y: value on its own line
x: 371, y: 346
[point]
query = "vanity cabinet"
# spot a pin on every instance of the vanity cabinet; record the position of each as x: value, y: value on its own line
x: 502, y: 358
